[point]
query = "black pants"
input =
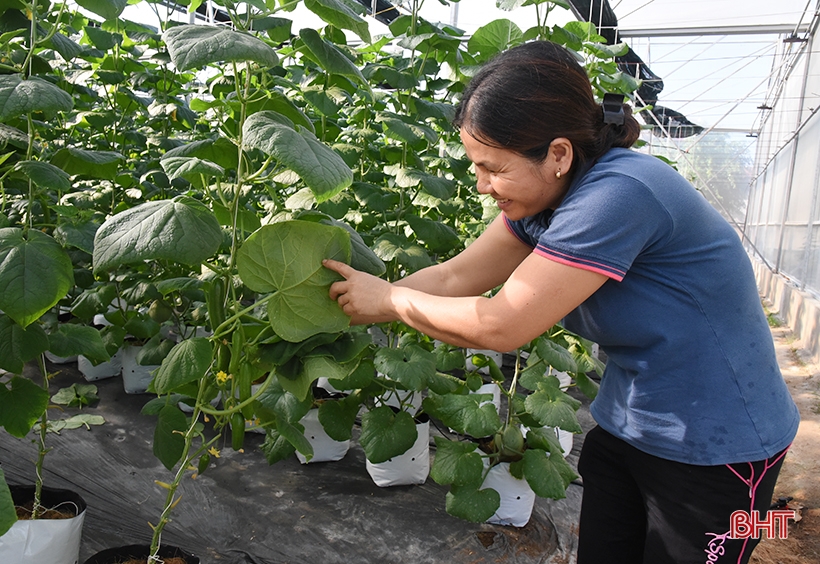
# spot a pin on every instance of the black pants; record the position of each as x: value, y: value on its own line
x: 641, y: 509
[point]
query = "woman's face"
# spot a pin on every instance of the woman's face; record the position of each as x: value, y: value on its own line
x: 521, y: 188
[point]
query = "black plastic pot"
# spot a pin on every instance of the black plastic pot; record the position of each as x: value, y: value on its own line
x: 123, y: 553
x: 49, y: 498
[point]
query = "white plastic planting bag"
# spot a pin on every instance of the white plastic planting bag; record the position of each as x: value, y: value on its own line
x: 43, y: 541
x: 408, y: 469
x: 325, y: 449
x: 103, y: 370
x: 135, y: 377
x: 517, y: 497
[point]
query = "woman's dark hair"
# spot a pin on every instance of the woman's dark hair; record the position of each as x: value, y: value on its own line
x: 528, y: 96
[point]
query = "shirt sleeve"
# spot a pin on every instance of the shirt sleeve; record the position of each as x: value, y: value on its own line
x: 603, y: 225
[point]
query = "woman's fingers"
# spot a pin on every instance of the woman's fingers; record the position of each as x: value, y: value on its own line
x: 338, y: 267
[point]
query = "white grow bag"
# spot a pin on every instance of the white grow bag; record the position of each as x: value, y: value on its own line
x: 517, y: 497
x: 408, y: 469
x: 325, y: 449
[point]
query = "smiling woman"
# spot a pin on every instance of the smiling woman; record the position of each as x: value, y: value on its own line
x: 629, y: 255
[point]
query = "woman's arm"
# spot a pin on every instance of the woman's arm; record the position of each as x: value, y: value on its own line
x: 538, y: 294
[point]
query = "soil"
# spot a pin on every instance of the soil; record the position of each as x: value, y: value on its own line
x: 24, y: 512
x: 165, y: 561
x: 799, y: 480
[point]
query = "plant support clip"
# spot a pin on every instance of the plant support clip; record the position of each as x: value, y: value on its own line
x: 613, y: 108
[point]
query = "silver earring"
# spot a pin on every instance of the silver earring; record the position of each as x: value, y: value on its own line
x: 558, y: 173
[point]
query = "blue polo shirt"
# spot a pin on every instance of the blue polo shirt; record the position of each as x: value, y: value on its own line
x: 692, y: 374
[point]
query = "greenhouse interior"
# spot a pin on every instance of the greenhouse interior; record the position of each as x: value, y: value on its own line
x: 258, y: 303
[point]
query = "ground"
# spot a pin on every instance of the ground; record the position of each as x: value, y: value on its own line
x: 800, y: 476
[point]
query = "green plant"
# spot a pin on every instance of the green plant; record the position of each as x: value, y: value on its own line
x: 524, y: 437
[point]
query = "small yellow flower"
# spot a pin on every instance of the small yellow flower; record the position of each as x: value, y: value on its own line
x: 213, y: 451
x: 222, y: 377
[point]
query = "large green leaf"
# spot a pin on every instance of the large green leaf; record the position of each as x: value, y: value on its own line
x: 390, y: 246
x: 21, y: 405
x: 181, y: 230
x: 35, y: 273
x: 457, y: 463
x: 79, y: 235
x: 18, y: 96
x: 8, y: 515
x: 550, y: 409
x: 286, y: 258
x: 276, y: 447
x: 548, y: 476
x: 219, y: 151
x: 556, y: 356
x: 338, y: 417
x: 323, y: 170
x: 45, y: 175
x: 18, y: 345
x: 187, y: 362
x: 169, y: 440
x: 81, y: 162
x: 340, y: 15
x: 329, y: 57
x: 411, y: 366
x: 108, y: 9
x: 295, y: 435
x: 281, y: 404
x: 72, y: 340
x: 437, y: 186
x: 190, y: 168
x: 386, y: 434
x: 464, y: 413
x: 437, y: 236
x: 195, y: 46
x: 494, y: 37
x: 471, y: 504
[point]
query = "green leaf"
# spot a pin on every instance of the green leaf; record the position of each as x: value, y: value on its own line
x: 169, y: 440
x: 495, y: 37
x: 35, y: 273
x: 72, y: 340
x: 449, y: 358
x: 340, y: 15
x: 329, y: 57
x: 471, y: 504
x: 108, y: 9
x: 280, y: 404
x: 77, y: 235
x: 75, y: 422
x: 14, y: 136
x: 434, y: 185
x: 457, y: 463
x: 295, y: 435
x: 18, y: 345
x: 155, y: 350
x: 76, y: 395
x: 556, y: 356
x: 22, y: 405
x: 94, y: 164
x: 187, y: 362
x: 587, y: 386
x: 312, y: 369
x: 8, y: 515
x: 411, y: 366
x: 440, y: 238
x: 19, y: 97
x: 464, y: 413
x: 45, y: 175
x: 190, y: 168
x: 67, y: 48
x: 181, y: 230
x: 323, y: 170
x: 276, y: 447
x: 220, y: 151
x: 547, y: 407
x: 195, y: 46
x: 385, y: 434
x: 286, y: 258
x: 103, y: 40
x: 548, y: 476
x: 390, y: 246
x: 338, y: 417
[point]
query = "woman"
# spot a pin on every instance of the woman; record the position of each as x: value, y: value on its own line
x: 693, y: 414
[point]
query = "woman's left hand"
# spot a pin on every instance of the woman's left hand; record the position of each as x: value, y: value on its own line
x: 365, y: 298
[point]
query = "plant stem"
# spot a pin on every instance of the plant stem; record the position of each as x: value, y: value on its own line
x: 41, y: 447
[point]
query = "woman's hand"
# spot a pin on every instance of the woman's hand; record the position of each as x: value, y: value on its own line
x: 365, y: 298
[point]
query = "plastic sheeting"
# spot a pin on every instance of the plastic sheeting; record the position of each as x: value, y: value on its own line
x: 243, y: 510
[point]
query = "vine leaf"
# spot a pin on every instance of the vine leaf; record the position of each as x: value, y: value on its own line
x: 72, y: 340
x: 323, y: 170
x: 45, y: 175
x: 8, y: 516
x: 18, y: 96
x: 181, y: 230
x: 169, y: 440
x: 95, y: 164
x: 187, y: 362
x: 18, y: 345
x: 35, y: 273
x: 495, y: 37
x: 329, y: 57
x: 338, y: 14
x: 472, y: 504
x: 195, y: 46
x: 108, y: 9
x: 190, y: 168
x: 386, y: 434
x: 286, y: 258
x: 23, y: 404
x: 457, y: 463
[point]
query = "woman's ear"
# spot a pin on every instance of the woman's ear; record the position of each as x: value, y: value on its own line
x: 560, y: 155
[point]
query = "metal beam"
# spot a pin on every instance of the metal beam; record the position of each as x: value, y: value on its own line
x: 763, y: 29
